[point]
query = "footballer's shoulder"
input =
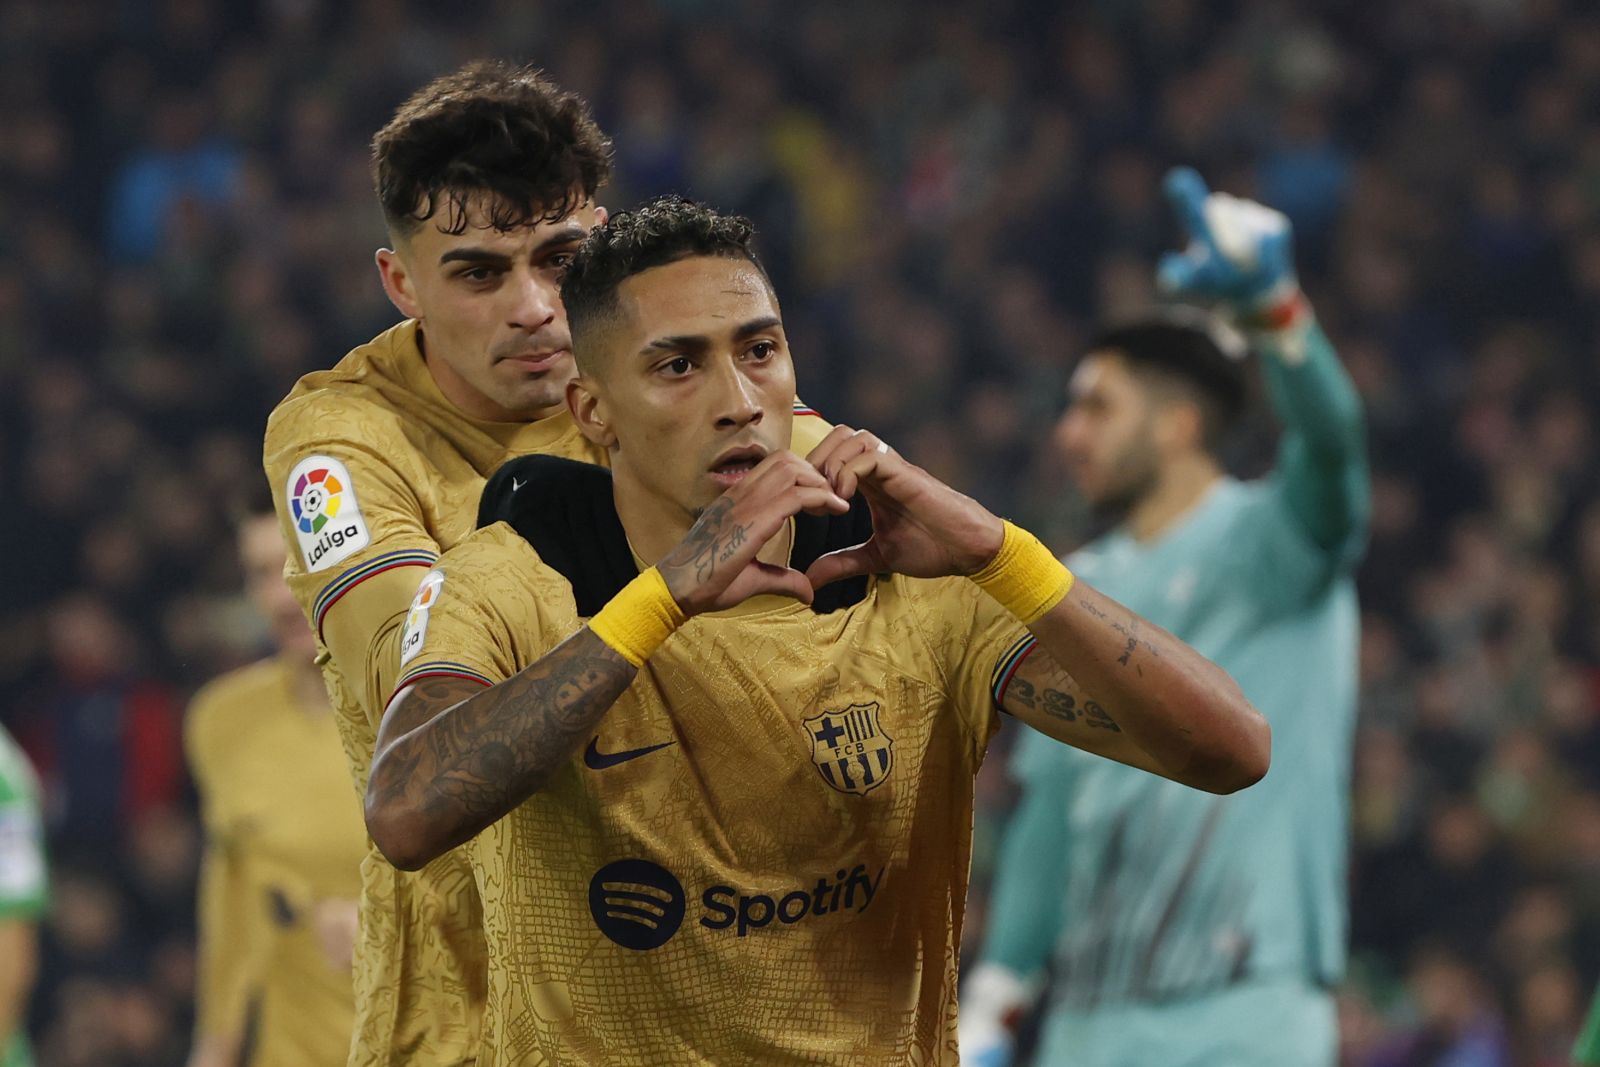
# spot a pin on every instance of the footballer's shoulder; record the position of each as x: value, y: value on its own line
x: 495, y: 550
x: 362, y: 383
x: 337, y: 413
x: 498, y: 564
x: 230, y: 702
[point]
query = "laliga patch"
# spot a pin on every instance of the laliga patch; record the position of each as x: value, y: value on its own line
x: 327, y: 519
x: 416, y: 630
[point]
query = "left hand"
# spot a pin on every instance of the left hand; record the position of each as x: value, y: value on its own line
x: 920, y: 526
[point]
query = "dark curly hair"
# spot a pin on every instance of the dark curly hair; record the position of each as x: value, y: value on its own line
x: 653, y: 234
x: 505, y: 134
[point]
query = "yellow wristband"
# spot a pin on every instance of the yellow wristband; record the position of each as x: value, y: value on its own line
x: 640, y: 617
x: 1024, y: 576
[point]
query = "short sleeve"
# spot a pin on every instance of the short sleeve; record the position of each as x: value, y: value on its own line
x: 809, y: 429
x: 348, y: 507
x: 976, y: 644
x: 231, y: 953
x: 476, y: 614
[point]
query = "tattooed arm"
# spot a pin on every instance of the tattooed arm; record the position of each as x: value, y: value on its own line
x: 1156, y: 703
x: 453, y: 757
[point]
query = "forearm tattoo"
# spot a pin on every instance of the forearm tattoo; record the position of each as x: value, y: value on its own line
x: 1059, y: 704
x: 711, y: 542
x: 1132, y: 633
x: 469, y: 764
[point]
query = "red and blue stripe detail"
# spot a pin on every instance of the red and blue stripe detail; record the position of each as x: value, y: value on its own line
x: 336, y: 589
x: 1006, y: 669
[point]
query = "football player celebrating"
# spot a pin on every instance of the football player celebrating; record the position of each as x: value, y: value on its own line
x: 710, y: 822
x: 487, y: 178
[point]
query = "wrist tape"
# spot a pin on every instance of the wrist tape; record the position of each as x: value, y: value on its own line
x: 640, y: 617
x: 1024, y: 576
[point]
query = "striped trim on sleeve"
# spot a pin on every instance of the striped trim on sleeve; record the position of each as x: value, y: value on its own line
x: 1007, y: 666
x: 336, y: 589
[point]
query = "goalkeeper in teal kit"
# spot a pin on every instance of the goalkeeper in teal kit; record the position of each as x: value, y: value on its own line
x: 1184, y: 930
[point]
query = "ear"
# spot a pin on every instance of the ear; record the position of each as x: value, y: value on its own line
x: 601, y: 215
x: 588, y: 410
x: 397, y: 283
x: 1181, y: 427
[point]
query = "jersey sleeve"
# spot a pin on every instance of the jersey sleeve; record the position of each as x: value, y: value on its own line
x: 24, y: 883
x: 976, y: 644
x: 230, y: 956
x: 809, y: 429
x: 476, y: 615
x: 1313, y: 523
x: 352, y: 519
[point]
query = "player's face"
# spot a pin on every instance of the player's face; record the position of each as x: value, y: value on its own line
x: 697, y: 384
x: 261, y: 554
x: 493, y: 328
x: 1108, y: 433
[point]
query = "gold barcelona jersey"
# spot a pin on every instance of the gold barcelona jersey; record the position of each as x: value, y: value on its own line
x: 374, y: 474
x: 761, y: 856
x: 283, y: 836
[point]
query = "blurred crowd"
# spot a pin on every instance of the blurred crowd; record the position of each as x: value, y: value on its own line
x: 949, y: 196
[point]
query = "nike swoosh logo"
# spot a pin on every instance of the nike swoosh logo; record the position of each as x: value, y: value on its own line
x: 596, y: 760
x: 515, y: 485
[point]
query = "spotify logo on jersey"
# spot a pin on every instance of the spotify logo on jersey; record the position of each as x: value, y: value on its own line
x: 636, y: 903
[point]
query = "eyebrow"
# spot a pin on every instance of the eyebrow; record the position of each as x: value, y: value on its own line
x: 474, y: 255
x: 567, y: 235
x: 700, y: 342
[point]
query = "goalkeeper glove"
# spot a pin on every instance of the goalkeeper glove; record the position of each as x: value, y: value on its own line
x: 1239, y: 257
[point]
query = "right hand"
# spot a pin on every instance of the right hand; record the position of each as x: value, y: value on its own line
x: 715, y: 566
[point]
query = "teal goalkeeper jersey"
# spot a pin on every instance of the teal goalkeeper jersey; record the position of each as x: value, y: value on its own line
x: 23, y: 893
x: 1149, y: 890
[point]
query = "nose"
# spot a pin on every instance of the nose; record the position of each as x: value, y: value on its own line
x: 535, y: 300
x: 738, y: 403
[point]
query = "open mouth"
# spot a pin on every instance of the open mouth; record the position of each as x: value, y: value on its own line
x: 735, y: 463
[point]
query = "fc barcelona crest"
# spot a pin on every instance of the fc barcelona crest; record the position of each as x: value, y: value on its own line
x: 850, y: 749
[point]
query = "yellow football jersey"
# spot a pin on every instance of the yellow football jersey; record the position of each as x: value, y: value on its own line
x: 762, y: 855
x: 283, y: 834
x: 375, y: 473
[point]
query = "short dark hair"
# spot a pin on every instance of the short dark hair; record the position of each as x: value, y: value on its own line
x: 653, y: 234
x: 1181, y: 346
x: 506, y: 134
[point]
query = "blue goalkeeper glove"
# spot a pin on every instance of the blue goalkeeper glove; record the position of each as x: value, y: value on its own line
x: 1239, y: 256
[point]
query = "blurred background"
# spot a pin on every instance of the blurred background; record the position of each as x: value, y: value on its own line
x: 948, y: 199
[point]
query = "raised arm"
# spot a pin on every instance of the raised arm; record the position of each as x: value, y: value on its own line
x: 1240, y: 258
x: 1322, y: 458
x: 453, y: 757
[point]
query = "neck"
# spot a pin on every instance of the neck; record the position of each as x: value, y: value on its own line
x: 305, y: 679
x: 655, y: 525
x: 1181, y: 485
